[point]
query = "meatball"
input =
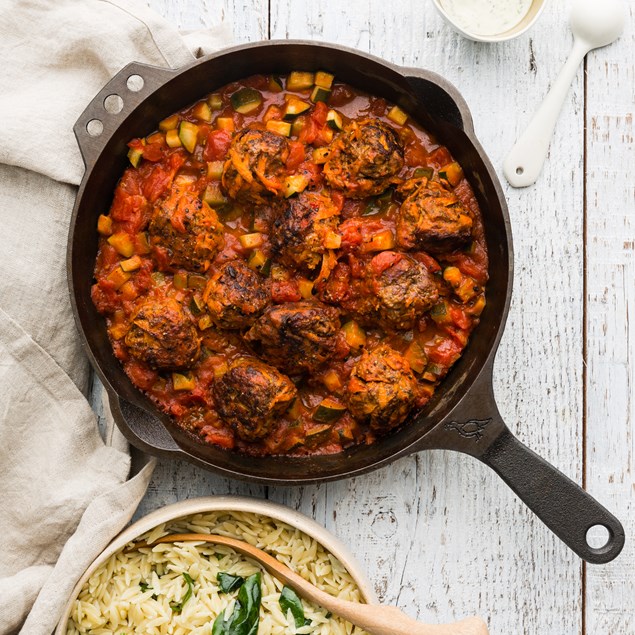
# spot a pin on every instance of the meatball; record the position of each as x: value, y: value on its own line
x: 297, y: 336
x: 432, y: 218
x: 162, y: 335
x: 404, y: 288
x: 381, y: 388
x: 235, y: 295
x: 306, y: 228
x: 255, y: 167
x: 365, y: 159
x: 250, y: 397
x: 188, y: 229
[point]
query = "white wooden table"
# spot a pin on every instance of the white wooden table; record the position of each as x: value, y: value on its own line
x: 438, y: 533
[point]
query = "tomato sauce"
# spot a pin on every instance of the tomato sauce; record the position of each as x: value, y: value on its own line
x: 131, y: 266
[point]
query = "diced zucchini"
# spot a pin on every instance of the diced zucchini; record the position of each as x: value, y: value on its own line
x: 122, y: 243
x: 275, y: 84
x: 332, y: 380
x: 321, y: 155
x: 297, y: 126
x: 306, y: 288
x: 180, y: 281
x: 320, y: 94
x: 397, y: 115
x: 332, y: 240
x: 214, y: 196
x: 317, y: 434
x: 215, y: 101
x: 215, y: 170
x: 346, y: 434
x: 416, y: 357
x: 328, y: 411
x: 131, y: 264
x: 158, y: 278
x: 183, y: 382
x: 196, y: 281
x: 324, y: 80
x: 188, y: 133
x: 378, y: 204
x: 246, y: 100
x: 169, y: 123
x: 172, y: 139
x: 420, y: 173
x: 295, y: 107
x: 197, y: 306
x: 204, y: 322
x: 104, y: 225
x: 433, y: 371
x: 229, y: 212
x: 452, y: 173
x: 202, y: 111
x: 118, y: 331
x: 251, y: 241
x: 279, y: 127
x: 440, y: 313
x: 142, y: 244
x: 295, y: 184
x: 379, y: 242
x: 225, y: 123
x: 477, y: 307
x: 354, y: 335
x: 257, y: 259
x: 134, y: 156
x: 468, y: 289
x: 300, y: 81
x: 334, y: 120
x: 119, y: 277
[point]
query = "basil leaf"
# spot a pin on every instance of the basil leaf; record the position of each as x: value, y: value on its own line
x: 177, y: 607
x: 245, y: 617
x: 289, y: 601
x: 228, y: 582
x: 144, y: 586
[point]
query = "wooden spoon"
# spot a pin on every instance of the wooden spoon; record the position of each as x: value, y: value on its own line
x: 375, y: 619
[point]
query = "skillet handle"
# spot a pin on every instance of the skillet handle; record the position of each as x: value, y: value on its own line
x: 113, y: 103
x: 559, y: 502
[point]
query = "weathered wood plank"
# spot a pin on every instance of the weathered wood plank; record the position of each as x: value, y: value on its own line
x: 438, y: 533
x: 610, y: 203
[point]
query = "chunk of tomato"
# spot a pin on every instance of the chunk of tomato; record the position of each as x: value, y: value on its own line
x: 217, y: 146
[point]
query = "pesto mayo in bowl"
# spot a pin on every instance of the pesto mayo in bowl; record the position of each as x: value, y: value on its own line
x: 490, y: 20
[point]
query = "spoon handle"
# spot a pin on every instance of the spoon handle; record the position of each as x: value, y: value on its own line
x: 525, y: 160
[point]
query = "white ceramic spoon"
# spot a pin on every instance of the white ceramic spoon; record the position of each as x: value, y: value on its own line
x: 594, y: 23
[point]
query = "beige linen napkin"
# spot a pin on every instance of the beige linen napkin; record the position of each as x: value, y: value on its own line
x: 64, y: 492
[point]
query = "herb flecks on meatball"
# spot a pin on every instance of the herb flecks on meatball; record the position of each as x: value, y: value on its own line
x: 255, y: 167
x: 187, y: 229
x: 381, y: 389
x: 306, y: 229
x: 365, y: 159
x: 297, y: 336
x: 162, y: 335
x: 251, y: 396
x: 431, y: 218
x: 236, y: 295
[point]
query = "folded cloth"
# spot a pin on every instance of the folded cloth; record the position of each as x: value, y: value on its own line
x: 64, y: 491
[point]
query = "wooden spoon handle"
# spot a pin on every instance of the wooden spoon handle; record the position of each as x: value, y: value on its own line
x: 373, y: 618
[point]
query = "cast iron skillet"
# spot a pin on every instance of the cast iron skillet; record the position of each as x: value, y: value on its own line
x: 462, y: 416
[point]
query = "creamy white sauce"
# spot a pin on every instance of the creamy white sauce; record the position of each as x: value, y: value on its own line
x: 486, y: 17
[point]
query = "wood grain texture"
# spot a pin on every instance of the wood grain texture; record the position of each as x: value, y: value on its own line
x: 438, y: 533
x: 610, y: 381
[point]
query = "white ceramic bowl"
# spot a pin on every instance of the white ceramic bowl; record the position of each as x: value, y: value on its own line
x: 226, y: 503
x: 531, y: 16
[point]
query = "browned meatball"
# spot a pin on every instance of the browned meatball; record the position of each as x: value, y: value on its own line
x: 163, y: 335
x: 251, y: 395
x: 404, y: 288
x: 381, y: 388
x: 297, y: 336
x: 188, y: 229
x: 365, y: 159
x: 236, y: 295
x: 432, y: 218
x: 306, y: 228
x: 255, y: 167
